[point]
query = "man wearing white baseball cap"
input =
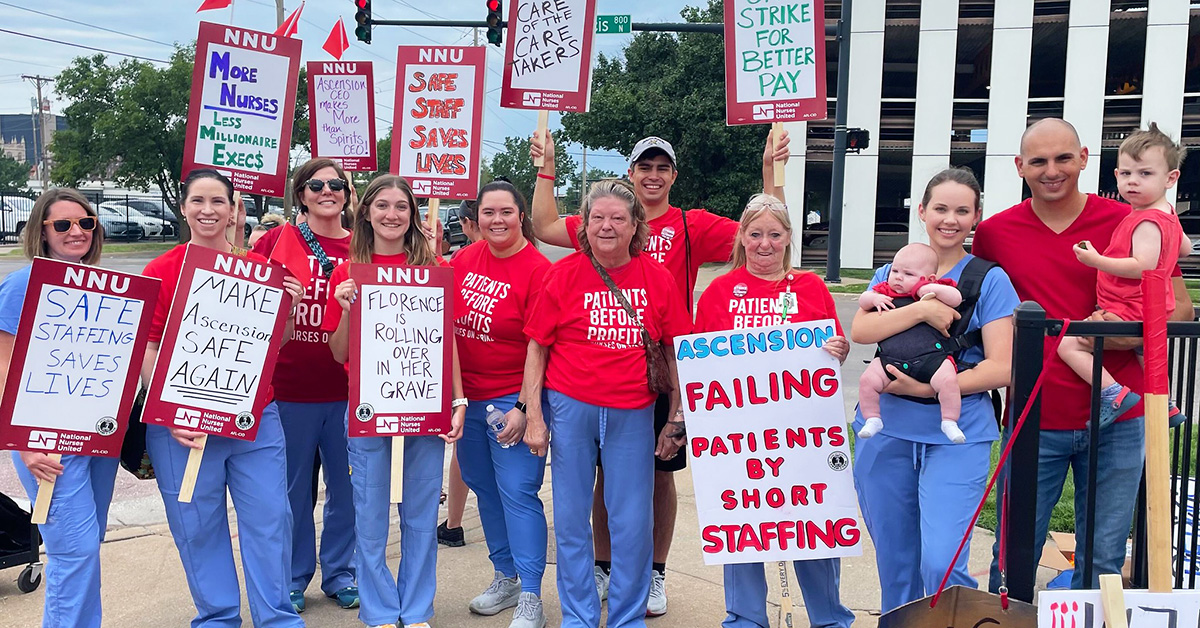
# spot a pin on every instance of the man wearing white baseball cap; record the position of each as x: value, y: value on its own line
x: 682, y: 241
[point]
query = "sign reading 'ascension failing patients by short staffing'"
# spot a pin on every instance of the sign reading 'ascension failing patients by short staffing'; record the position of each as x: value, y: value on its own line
x: 774, y: 61
x: 243, y: 102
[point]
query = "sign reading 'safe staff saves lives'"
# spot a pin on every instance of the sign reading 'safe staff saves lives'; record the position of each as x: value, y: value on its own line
x: 341, y: 105
x: 243, y: 102
x: 76, y: 359
x: 439, y: 119
x: 774, y: 61
x: 218, y: 350
x: 401, y: 351
x: 767, y: 444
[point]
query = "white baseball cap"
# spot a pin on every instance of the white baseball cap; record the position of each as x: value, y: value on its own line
x: 649, y: 144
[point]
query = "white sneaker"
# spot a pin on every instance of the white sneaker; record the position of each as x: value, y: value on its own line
x: 386, y: 626
x: 501, y: 594
x: 529, y: 612
x: 423, y: 624
x: 657, y: 604
x: 602, y: 583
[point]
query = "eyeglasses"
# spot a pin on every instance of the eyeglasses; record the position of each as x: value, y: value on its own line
x: 63, y: 225
x: 335, y: 185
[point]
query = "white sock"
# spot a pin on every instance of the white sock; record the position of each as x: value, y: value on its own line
x: 871, y: 427
x: 950, y: 429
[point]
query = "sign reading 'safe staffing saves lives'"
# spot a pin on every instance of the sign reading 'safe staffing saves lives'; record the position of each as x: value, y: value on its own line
x: 400, y: 343
x: 774, y: 61
x: 341, y: 105
x: 218, y: 350
x: 438, y: 130
x: 243, y: 101
x: 767, y: 444
x: 548, y: 57
x: 76, y: 359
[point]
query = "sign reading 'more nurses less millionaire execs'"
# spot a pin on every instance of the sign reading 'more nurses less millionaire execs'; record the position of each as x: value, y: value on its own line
x: 217, y: 354
x: 75, y: 363
x: 243, y: 101
x: 548, y: 57
x: 439, y: 119
x: 341, y: 105
x: 774, y: 61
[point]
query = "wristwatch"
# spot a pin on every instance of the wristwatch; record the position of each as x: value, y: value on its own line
x: 520, y: 405
x: 461, y: 402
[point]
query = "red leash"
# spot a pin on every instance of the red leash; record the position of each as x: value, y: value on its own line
x: 1037, y: 387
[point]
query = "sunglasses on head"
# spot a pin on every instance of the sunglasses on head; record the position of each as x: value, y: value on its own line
x: 63, y: 225
x: 335, y: 185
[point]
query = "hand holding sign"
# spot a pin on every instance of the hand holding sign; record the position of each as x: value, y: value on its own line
x: 541, y: 150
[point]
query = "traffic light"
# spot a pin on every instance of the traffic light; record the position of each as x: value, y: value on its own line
x: 495, y: 33
x: 857, y: 139
x: 363, y: 17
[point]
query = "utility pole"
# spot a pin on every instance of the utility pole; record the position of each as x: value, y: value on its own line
x: 39, y: 131
x: 833, y: 250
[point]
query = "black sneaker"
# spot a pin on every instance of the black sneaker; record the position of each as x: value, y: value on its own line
x: 450, y: 537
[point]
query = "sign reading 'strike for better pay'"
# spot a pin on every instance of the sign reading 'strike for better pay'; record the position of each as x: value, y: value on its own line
x: 243, y: 102
x: 774, y: 61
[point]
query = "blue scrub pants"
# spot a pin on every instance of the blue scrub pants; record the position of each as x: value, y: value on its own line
x: 506, y: 482
x: 624, y: 442
x: 383, y: 599
x: 746, y: 594
x: 72, y: 534
x: 917, y: 501
x: 307, y: 428
x: 253, y: 473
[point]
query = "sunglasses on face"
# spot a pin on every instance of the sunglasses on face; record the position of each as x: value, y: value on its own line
x: 63, y: 225
x: 335, y: 185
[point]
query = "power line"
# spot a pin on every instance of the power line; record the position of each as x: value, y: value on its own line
x: 67, y: 19
x: 67, y: 43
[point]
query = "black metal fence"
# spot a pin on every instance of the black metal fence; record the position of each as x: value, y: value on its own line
x: 1031, y: 329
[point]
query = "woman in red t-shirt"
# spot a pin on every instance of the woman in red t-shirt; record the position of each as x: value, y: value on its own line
x: 311, y: 389
x: 387, y: 230
x: 498, y: 280
x: 588, y: 348
x: 253, y: 472
x: 761, y: 284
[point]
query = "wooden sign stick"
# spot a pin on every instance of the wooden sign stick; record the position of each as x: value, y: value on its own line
x: 41, y: 508
x: 776, y: 131
x: 397, y: 469
x: 1158, y: 472
x: 431, y: 220
x: 785, y: 594
x: 191, y: 471
x: 542, y: 127
x: 1112, y: 601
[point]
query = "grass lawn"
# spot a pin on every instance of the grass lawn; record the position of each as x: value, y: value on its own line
x: 1063, y: 518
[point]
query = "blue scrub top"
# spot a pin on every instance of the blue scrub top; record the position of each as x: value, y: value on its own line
x: 12, y: 299
x: 921, y: 423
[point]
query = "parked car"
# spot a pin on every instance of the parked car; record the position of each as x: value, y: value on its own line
x: 14, y: 213
x: 118, y: 228
x: 452, y: 233
x: 151, y: 208
x: 151, y: 227
x: 889, y: 236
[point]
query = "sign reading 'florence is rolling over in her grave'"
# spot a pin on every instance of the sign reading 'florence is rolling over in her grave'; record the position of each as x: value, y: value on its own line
x: 774, y: 61
x: 242, y: 106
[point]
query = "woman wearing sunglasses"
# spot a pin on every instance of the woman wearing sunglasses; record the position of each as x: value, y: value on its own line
x: 386, y: 230
x: 311, y: 391
x: 253, y: 472
x: 83, y: 484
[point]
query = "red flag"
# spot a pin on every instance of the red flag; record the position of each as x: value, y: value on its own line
x: 291, y: 24
x: 209, y: 5
x: 292, y: 253
x: 337, y: 43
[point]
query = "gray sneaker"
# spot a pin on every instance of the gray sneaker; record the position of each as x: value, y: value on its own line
x: 601, y: 583
x: 657, y: 604
x: 529, y: 612
x: 502, y: 594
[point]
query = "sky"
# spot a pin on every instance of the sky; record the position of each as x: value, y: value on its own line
x: 149, y: 29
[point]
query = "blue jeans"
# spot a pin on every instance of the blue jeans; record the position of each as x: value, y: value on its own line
x: 1119, y: 461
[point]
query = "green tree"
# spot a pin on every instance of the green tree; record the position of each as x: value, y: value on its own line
x: 14, y: 175
x: 669, y: 85
x: 515, y: 164
x: 571, y: 200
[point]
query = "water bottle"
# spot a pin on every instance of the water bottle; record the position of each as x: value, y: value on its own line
x: 495, y: 421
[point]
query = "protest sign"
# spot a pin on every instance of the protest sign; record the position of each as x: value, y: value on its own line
x: 774, y: 61
x: 242, y: 105
x: 218, y: 350
x: 401, y: 356
x: 1064, y: 608
x: 75, y: 364
x: 341, y: 106
x: 439, y: 119
x: 767, y: 442
x: 548, y: 58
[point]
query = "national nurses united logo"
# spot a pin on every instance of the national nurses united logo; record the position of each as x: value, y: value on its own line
x: 838, y: 460
x: 244, y: 421
x: 739, y: 290
x: 106, y: 426
x: 364, y: 412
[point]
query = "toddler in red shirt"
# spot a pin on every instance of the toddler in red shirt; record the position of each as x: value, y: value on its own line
x: 919, y: 351
x: 1150, y: 237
